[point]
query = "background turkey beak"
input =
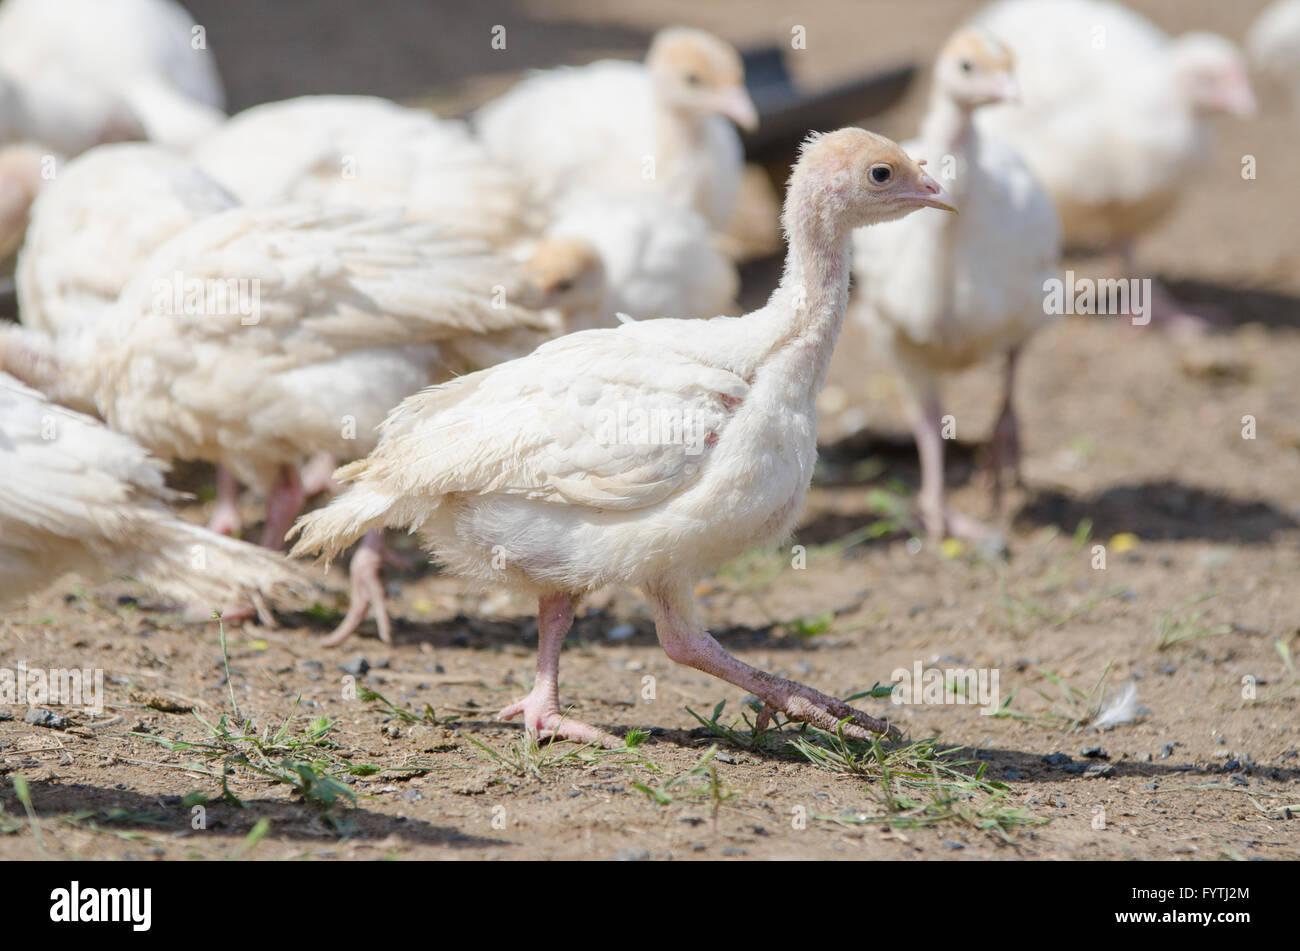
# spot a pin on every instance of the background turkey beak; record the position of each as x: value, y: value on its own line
x: 735, y: 104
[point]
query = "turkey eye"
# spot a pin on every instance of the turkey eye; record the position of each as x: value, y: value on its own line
x: 693, y: 79
x: 563, y: 287
x: 880, y: 174
x: 966, y: 66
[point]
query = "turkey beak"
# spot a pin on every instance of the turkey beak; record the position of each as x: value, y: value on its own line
x: 930, y: 194
x: 734, y: 103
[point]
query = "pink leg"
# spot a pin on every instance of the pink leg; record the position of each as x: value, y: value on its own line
x: 938, y: 518
x: 1004, y: 445
x: 685, y: 643
x: 1165, y: 312
x: 225, y: 516
x: 541, y: 708
x: 318, y: 475
x: 367, y: 589
x: 282, y: 506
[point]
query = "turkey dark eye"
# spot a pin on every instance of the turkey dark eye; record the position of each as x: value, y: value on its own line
x: 966, y: 66
x: 880, y: 174
x: 563, y: 287
x: 693, y: 79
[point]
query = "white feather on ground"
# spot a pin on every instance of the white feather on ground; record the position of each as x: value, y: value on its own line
x: 77, y: 497
x: 82, y: 72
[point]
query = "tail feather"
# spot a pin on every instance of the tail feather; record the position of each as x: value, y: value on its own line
x: 330, y: 530
x: 195, y: 566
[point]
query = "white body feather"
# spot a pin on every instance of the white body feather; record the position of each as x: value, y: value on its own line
x: 941, y: 292
x: 1274, y: 45
x: 341, y: 314
x: 368, y: 153
x: 97, y: 222
x: 659, y: 258
x: 596, y: 128
x: 77, y: 497
x: 87, y: 67
x: 1104, y: 127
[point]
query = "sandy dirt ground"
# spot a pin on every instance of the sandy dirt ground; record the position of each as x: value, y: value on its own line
x: 1134, y: 442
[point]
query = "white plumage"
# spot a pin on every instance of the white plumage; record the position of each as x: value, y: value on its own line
x: 942, y: 292
x: 658, y: 258
x: 1112, y: 116
x: 259, y: 336
x: 80, y: 72
x: 77, y: 497
x: 96, y: 222
x: 620, y: 128
x: 643, y: 455
x: 368, y: 153
x: 1274, y: 45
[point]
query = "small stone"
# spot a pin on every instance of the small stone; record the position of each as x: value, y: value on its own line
x: 733, y: 851
x: 357, y: 666
x: 1168, y: 670
x: 1167, y: 750
x: 621, y: 632
x: 1239, y: 780
x: 632, y: 855
x: 1057, y: 759
x: 1094, y: 752
x: 1012, y: 773
x: 952, y: 844
x: 38, y: 716
x: 1097, y: 770
x: 392, y: 731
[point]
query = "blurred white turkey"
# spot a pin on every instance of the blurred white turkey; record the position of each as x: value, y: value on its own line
x: 24, y: 170
x: 658, y: 258
x: 621, y: 128
x: 75, y: 73
x: 259, y: 337
x: 942, y: 292
x: 1274, y: 45
x: 77, y: 497
x: 1113, y: 115
x: 368, y: 153
x: 96, y: 222
x: 519, y: 476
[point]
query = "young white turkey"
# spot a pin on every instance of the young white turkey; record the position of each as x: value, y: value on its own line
x: 368, y: 153
x: 621, y: 128
x: 259, y: 337
x: 657, y: 258
x: 1113, y: 120
x: 77, y: 497
x: 1274, y: 45
x: 77, y: 73
x: 521, y: 476
x: 940, y: 293
x: 96, y: 222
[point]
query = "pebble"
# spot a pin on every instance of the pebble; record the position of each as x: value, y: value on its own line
x: 1167, y: 750
x: 357, y: 666
x: 1096, y: 770
x: 1057, y: 759
x: 632, y: 855
x: 952, y: 844
x: 1010, y: 772
x: 621, y: 632
x: 733, y: 851
x: 38, y: 716
x: 1094, y: 752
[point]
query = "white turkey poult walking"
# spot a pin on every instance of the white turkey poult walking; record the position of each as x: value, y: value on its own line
x: 519, y: 477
